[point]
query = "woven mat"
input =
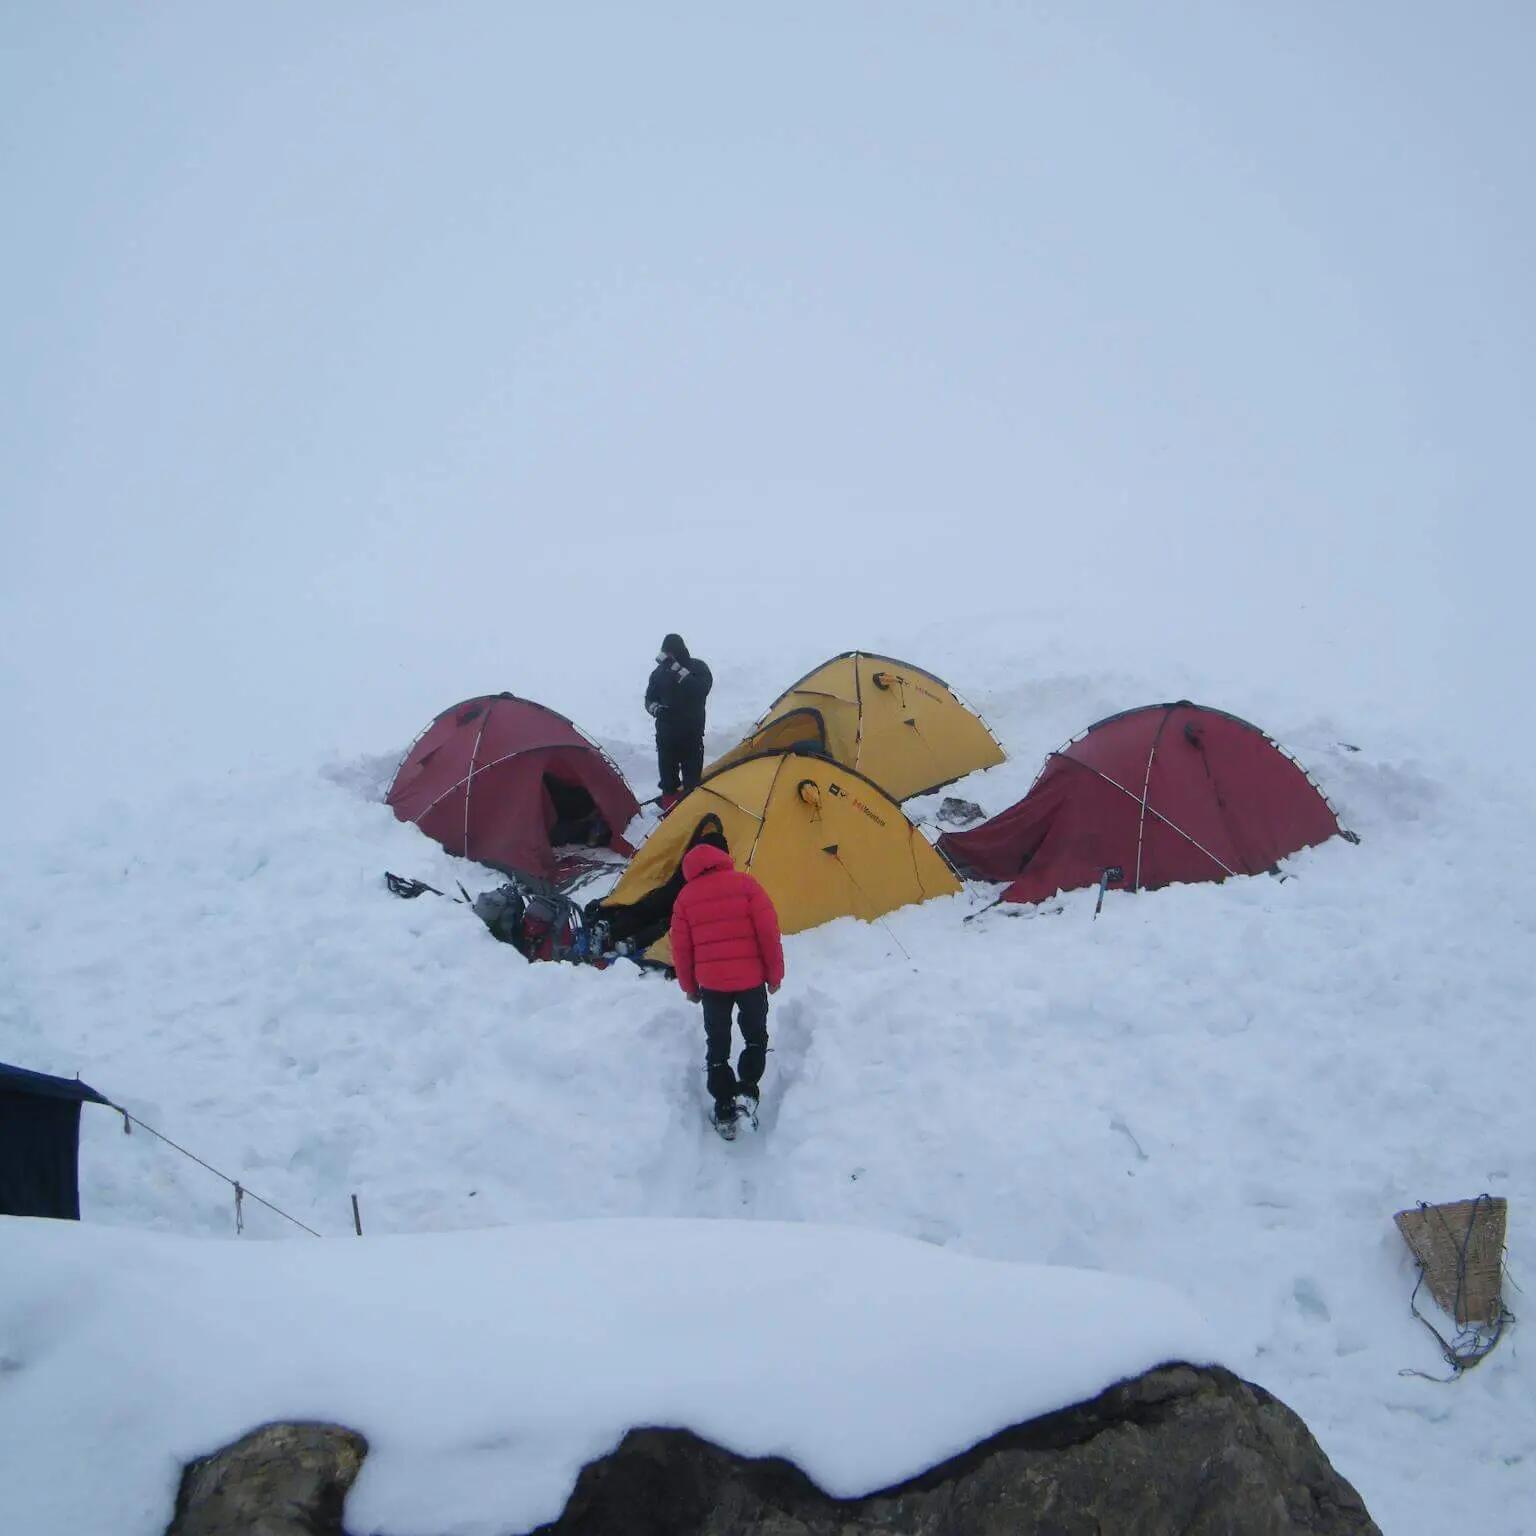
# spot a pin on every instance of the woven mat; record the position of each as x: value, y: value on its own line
x: 1439, y: 1235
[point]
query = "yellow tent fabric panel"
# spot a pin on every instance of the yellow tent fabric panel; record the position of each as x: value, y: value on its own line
x: 914, y: 734
x: 738, y: 800
x: 795, y: 723
x: 834, y: 846
x: 895, y: 723
x: 824, y: 842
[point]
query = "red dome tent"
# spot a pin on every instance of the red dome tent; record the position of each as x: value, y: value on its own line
x: 1150, y: 797
x: 495, y: 779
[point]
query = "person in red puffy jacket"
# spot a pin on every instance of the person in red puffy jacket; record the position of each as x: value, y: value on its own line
x: 728, y: 955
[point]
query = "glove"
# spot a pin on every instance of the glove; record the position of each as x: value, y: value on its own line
x: 773, y: 986
x: 680, y: 669
x: 693, y: 997
x: 655, y: 709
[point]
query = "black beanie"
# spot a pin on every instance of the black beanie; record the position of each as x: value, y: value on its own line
x: 673, y: 646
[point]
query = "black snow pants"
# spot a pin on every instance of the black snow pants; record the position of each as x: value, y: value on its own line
x: 751, y: 1010
x: 679, y: 756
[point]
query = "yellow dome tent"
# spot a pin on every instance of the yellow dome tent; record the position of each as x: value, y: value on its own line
x: 825, y: 843
x: 895, y: 723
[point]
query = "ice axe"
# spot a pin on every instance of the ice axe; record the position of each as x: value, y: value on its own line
x: 1114, y: 872
x: 402, y: 885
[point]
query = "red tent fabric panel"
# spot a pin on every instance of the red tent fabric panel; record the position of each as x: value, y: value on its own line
x: 505, y: 823
x: 501, y: 813
x: 1266, y: 805
x: 999, y: 848
x: 1182, y: 789
x: 1221, y: 798
x: 1090, y: 827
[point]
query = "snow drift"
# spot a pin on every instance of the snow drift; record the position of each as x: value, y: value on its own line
x: 487, y: 1368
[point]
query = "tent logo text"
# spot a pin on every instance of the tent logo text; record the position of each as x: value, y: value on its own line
x: 835, y: 789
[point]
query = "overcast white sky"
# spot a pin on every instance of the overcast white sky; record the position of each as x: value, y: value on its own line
x: 359, y: 357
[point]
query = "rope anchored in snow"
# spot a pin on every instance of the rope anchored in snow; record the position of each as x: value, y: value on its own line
x: 890, y: 932
x: 240, y: 1190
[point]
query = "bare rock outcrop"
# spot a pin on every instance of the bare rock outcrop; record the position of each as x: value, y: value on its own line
x: 280, y: 1480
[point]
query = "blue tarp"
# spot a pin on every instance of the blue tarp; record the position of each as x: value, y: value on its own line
x: 40, y: 1142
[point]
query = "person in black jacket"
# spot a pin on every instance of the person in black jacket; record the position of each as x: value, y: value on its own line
x: 675, y: 698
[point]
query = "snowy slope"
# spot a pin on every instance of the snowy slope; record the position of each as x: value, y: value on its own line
x: 371, y: 358
x: 1225, y: 1089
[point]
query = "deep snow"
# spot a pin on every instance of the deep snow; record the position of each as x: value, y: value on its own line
x: 1227, y: 1089
x: 371, y: 357
x: 487, y: 1368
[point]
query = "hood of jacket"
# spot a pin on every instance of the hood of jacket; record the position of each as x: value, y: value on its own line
x: 704, y: 860
x: 673, y: 646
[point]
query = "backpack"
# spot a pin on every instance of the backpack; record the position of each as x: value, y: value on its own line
x: 502, y: 911
x: 538, y: 922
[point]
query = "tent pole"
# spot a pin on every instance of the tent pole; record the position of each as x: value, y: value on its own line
x: 1146, y: 785
x: 1172, y: 826
x: 469, y: 780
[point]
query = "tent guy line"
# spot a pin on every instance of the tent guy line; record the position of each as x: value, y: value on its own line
x: 240, y: 1190
x: 39, y: 1147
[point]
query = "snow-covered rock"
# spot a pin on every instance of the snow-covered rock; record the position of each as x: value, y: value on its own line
x: 485, y: 1369
x: 1178, y: 1451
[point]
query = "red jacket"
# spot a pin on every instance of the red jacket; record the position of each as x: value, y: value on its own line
x: 725, y: 933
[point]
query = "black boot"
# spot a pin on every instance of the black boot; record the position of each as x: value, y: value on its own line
x: 746, y: 1103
